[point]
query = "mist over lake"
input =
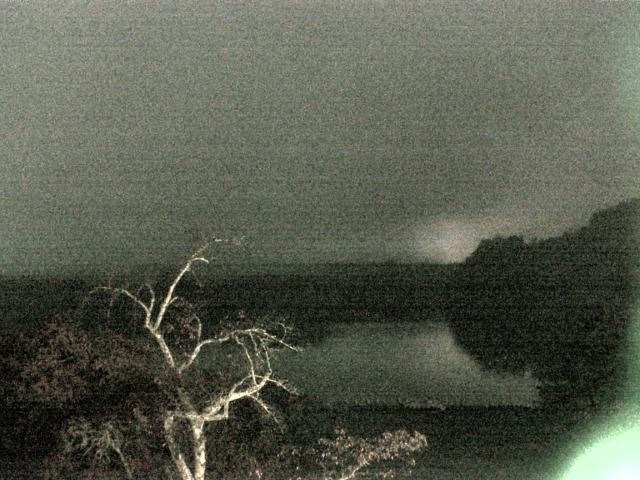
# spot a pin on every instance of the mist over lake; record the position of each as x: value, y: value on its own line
x: 401, y: 362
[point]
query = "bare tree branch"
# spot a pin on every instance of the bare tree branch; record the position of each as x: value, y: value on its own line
x: 123, y: 291
x: 164, y: 348
x: 168, y: 299
x: 196, y: 351
x: 255, y: 343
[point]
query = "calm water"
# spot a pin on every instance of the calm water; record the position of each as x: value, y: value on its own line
x: 408, y: 362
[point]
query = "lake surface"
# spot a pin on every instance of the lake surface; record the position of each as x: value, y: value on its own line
x: 410, y: 363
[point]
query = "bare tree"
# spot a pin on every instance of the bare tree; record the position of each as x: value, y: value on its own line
x: 255, y: 344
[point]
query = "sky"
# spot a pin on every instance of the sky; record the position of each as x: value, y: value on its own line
x: 316, y: 131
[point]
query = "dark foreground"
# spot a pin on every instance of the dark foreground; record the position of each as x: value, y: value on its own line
x: 483, y: 443
x: 464, y: 443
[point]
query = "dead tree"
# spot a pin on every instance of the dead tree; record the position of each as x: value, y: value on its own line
x: 255, y: 343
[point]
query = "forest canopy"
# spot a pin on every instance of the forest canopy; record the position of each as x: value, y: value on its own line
x: 560, y: 308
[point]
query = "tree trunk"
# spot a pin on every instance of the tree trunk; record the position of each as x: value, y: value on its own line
x: 174, y: 449
x: 125, y: 464
x: 199, y: 449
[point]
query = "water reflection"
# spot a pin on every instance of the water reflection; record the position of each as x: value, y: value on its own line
x: 409, y: 363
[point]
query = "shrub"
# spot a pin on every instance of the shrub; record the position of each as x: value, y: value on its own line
x: 345, y: 456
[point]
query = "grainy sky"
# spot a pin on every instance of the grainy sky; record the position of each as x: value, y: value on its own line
x: 320, y: 130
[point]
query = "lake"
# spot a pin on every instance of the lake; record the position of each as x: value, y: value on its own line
x: 406, y: 363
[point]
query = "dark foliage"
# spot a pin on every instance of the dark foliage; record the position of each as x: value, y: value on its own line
x: 560, y: 307
x: 59, y: 371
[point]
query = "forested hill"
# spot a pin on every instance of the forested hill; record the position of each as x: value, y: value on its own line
x: 308, y: 295
x: 559, y: 307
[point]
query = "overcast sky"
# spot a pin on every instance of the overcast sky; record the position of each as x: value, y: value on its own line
x: 320, y: 130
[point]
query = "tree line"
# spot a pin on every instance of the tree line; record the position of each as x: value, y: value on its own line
x: 561, y: 308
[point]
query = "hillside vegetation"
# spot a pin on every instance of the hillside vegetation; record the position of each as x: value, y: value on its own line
x: 560, y: 308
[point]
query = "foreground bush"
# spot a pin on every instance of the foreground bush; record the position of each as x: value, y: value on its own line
x: 346, y: 457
